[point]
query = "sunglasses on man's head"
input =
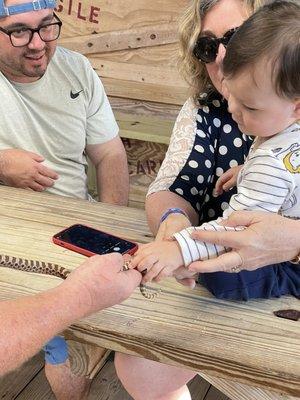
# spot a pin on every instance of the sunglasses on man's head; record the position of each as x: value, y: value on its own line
x: 206, y: 47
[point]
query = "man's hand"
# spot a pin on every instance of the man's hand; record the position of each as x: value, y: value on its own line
x: 24, y: 169
x: 100, y: 283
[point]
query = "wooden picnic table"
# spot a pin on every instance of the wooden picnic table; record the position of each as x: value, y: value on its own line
x: 239, y: 341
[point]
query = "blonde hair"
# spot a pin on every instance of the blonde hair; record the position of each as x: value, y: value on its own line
x: 192, y: 70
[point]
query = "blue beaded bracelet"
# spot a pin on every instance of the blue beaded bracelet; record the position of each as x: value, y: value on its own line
x: 172, y: 211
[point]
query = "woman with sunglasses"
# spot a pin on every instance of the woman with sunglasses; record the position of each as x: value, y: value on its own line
x: 205, y: 143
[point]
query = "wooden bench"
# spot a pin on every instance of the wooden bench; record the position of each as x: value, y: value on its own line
x: 145, y: 128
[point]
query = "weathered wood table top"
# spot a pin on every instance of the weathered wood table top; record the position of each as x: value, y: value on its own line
x: 238, y: 340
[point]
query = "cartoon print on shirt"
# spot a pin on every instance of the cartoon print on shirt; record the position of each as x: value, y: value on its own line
x: 292, y: 161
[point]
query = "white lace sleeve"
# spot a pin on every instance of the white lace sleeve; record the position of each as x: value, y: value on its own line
x: 180, y: 147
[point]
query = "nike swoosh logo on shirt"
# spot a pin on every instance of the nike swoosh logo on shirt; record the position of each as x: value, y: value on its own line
x: 74, y: 95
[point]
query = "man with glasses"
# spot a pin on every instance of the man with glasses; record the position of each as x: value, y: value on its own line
x: 54, y: 112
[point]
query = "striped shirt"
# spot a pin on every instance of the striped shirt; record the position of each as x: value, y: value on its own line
x: 269, y: 181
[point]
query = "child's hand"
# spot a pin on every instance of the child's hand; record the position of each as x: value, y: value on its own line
x: 227, y: 180
x: 185, y: 277
x: 159, y: 258
x: 173, y: 223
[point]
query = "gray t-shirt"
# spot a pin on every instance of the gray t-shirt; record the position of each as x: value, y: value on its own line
x: 56, y: 117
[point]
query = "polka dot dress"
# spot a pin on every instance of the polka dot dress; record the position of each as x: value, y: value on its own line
x: 218, y: 146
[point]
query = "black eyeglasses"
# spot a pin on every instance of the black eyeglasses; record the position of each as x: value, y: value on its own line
x: 20, y: 37
x: 206, y: 47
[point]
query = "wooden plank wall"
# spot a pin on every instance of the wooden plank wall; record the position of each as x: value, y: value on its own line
x: 133, y: 46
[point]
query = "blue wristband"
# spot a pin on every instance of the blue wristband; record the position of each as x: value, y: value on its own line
x: 172, y: 211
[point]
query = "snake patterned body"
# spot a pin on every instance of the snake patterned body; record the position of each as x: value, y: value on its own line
x: 41, y: 267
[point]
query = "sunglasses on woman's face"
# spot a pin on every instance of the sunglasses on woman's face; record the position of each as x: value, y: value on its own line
x: 206, y: 48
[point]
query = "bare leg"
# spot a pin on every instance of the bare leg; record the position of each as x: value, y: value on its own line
x: 144, y: 379
x: 64, y: 384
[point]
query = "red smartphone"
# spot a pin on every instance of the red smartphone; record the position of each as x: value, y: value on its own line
x: 89, y: 241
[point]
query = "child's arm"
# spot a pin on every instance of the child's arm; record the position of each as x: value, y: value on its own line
x: 162, y: 258
x: 195, y: 250
x: 255, y: 192
x: 264, y: 186
x: 159, y: 258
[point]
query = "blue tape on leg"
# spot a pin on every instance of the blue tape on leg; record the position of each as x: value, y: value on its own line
x: 56, y: 351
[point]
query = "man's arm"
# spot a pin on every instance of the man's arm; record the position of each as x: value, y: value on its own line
x: 29, y: 322
x: 110, y: 161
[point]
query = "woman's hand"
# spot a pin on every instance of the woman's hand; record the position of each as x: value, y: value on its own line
x: 227, y: 180
x: 267, y: 239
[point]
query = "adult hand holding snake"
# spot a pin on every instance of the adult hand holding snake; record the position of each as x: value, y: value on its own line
x: 101, y: 282
x: 29, y: 322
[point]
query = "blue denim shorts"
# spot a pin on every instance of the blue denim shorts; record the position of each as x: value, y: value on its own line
x: 56, y: 351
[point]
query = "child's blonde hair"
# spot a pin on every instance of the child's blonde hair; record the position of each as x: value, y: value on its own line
x: 193, y: 70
